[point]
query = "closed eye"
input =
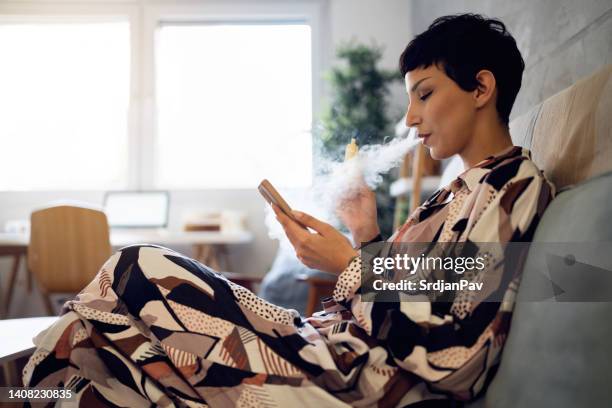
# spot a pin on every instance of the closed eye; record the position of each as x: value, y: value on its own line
x: 425, y: 96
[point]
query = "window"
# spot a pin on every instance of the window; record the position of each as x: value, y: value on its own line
x: 234, y: 105
x: 142, y: 95
x: 64, y: 105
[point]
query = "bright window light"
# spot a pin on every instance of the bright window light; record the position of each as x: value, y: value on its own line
x: 63, y: 105
x: 234, y: 104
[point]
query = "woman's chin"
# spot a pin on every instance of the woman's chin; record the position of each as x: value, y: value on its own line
x: 435, y: 153
x: 439, y: 154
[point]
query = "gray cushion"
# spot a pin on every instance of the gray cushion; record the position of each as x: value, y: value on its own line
x: 281, y: 286
x: 559, y: 354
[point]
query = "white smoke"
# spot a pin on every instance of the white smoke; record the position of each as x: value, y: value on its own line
x: 339, y: 180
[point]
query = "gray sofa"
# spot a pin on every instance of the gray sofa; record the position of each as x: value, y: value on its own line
x: 559, y: 353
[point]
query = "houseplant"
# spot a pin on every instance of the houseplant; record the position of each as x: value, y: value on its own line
x: 359, y: 109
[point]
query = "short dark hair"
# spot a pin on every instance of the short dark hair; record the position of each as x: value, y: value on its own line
x: 464, y: 44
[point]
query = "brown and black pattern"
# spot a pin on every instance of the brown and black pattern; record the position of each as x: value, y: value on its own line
x: 158, y: 328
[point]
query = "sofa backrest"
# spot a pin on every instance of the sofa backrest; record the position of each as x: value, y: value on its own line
x: 558, y: 353
x: 570, y: 133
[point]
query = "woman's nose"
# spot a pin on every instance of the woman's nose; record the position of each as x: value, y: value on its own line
x: 412, y: 118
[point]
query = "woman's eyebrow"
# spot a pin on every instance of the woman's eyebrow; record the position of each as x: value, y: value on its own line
x: 414, y: 87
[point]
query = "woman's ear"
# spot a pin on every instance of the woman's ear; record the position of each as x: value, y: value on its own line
x: 485, y: 90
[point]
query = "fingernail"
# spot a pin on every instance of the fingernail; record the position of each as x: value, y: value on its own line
x: 296, y: 214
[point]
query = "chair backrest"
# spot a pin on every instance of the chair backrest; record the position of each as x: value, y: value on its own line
x: 68, y: 245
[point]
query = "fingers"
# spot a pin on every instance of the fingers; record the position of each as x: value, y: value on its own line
x: 295, y: 232
x: 300, y: 238
x: 360, y: 188
x: 315, y: 250
x: 280, y: 216
x: 310, y: 221
x: 284, y: 220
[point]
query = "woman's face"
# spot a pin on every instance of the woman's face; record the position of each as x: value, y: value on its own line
x: 442, y: 112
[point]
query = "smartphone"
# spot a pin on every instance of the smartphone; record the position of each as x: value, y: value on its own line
x: 272, y: 196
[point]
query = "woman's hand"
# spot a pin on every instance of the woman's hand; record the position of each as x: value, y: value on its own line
x: 358, y: 212
x: 326, y: 250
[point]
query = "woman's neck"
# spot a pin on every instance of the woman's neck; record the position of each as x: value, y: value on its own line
x: 487, y: 141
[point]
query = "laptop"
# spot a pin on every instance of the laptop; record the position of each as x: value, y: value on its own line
x: 146, y: 210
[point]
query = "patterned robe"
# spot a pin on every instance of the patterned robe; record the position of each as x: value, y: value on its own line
x: 155, y: 327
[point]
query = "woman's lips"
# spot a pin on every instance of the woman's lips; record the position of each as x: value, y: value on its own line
x: 424, y: 136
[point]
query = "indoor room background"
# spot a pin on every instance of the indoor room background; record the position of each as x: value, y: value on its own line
x: 552, y: 35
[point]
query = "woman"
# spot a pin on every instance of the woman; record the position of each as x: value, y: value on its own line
x: 157, y: 327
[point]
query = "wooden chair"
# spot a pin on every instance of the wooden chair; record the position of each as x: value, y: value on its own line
x: 247, y: 281
x: 318, y: 288
x: 68, y: 245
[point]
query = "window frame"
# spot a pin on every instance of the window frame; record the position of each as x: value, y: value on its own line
x: 308, y: 12
x: 144, y: 16
x: 91, y: 12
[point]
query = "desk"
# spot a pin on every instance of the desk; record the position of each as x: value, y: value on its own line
x: 17, y: 251
x: 17, y: 342
x: 121, y: 238
x: 210, y: 248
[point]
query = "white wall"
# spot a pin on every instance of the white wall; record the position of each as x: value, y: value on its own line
x: 561, y: 40
x: 386, y: 23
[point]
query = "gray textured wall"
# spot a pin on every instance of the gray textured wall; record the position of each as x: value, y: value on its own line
x: 561, y: 40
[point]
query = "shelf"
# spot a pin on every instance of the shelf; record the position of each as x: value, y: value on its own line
x: 404, y: 185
